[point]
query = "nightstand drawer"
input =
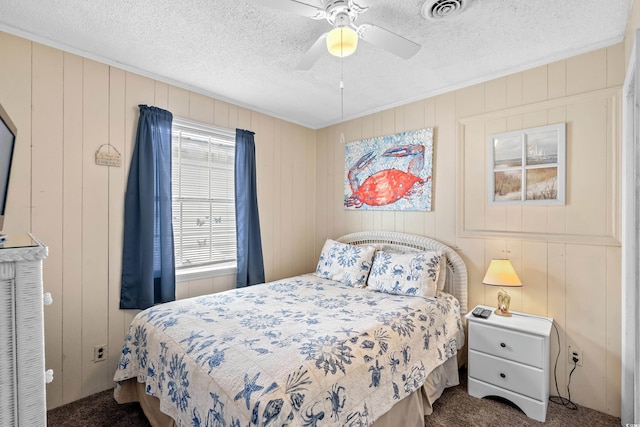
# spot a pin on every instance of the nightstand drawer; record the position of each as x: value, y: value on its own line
x: 512, y: 345
x: 507, y: 375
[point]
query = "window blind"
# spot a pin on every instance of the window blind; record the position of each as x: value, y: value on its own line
x: 204, y: 222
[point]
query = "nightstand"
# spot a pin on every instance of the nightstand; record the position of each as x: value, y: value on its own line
x: 509, y: 357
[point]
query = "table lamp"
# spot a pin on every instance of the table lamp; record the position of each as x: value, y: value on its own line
x: 501, y: 273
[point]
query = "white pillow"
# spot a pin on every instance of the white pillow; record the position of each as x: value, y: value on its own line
x: 414, y: 273
x: 348, y: 264
x: 442, y: 275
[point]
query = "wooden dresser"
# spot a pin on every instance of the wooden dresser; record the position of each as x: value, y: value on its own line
x: 509, y: 357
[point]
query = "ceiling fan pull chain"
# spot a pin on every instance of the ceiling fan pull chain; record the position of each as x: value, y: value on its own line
x: 342, y: 99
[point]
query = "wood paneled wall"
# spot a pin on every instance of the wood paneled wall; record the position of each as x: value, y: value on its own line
x: 65, y: 107
x: 567, y: 257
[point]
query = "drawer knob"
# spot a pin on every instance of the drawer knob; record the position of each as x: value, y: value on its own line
x: 503, y: 345
x: 502, y: 375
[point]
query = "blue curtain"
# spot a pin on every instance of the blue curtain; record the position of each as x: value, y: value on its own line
x: 249, y: 243
x: 148, y: 262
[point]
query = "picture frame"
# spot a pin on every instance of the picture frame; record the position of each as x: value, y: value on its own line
x: 390, y: 172
x: 528, y: 167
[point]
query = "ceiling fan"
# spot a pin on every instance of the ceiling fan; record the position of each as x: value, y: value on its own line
x: 342, y: 40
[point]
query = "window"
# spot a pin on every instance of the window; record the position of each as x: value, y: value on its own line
x: 204, y: 223
x: 527, y: 167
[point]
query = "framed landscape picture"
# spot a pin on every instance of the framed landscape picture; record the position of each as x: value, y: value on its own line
x: 527, y: 167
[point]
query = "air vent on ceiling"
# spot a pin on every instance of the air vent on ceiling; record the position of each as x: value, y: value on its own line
x: 443, y: 9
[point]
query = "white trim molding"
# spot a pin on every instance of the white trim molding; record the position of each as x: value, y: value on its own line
x: 472, y: 136
x: 630, y: 310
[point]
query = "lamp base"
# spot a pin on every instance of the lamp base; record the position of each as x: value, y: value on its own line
x: 505, y: 313
x: 504, y: 301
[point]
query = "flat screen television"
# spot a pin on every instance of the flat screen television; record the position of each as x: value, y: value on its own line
x: 8, y: 133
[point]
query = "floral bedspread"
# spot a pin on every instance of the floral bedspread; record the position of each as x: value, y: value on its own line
x: 303, y: 351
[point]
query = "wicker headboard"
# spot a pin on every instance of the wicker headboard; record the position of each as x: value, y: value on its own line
x: 456, y: 283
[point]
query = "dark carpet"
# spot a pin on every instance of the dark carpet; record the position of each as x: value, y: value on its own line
x: 454, y: 408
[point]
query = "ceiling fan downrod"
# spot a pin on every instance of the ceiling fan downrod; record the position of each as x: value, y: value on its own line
x: 337, y: 11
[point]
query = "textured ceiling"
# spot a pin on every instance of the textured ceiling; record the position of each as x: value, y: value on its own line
x: 246, y: 53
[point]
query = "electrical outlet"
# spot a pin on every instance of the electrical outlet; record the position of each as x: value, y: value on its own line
x: 100, y: 353
x: 575, y: 353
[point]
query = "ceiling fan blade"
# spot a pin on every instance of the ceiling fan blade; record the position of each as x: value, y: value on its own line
x: 318, y: 49
x: 392, y: 42
x: 294, y: 6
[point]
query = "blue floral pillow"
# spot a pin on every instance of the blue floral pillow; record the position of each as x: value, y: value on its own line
x: 413, y: 273
x: 348, y: 264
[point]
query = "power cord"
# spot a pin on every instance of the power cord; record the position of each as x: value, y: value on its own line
x: 558, y: 399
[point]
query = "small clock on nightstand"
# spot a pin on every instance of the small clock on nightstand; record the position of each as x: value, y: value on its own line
x: 509, y: 357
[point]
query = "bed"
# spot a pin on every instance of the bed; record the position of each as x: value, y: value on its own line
x: 309, y: 350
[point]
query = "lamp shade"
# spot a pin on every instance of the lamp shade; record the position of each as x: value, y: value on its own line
x: 342, y: 41
x: 501, y: 273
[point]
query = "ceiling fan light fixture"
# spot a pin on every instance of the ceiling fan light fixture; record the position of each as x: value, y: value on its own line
x: 342, y: 41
